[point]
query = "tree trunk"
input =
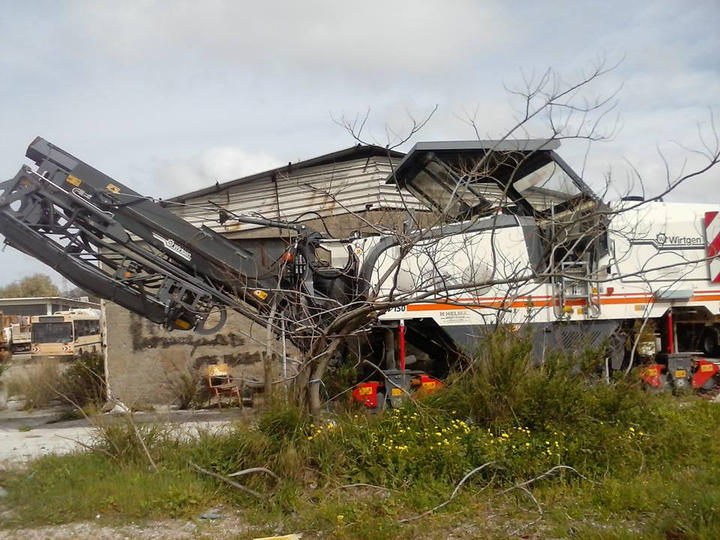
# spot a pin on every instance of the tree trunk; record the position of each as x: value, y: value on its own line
x: 319, y: 370
x: 301, y: 386
x: 315, y: 382
x: 267, y: 370
x: 268, y: 357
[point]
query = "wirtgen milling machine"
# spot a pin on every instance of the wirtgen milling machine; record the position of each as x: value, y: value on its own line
x: 511, y: 235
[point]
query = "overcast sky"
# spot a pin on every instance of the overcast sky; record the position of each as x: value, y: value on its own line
x: 170, y: 96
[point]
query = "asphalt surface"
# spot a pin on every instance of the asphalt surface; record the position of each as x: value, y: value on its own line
x: 25, y: 435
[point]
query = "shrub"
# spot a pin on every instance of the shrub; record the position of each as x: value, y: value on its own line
x: 658, y: 462
x: 493, y: 384
x: 500, y: 386
x: 83, y: 383
x: 80, y: 384
x: 36, y: 383
x: 129, y: 442
x: 187, y: 389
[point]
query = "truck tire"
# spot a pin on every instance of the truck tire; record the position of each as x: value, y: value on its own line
x: 709, y: 342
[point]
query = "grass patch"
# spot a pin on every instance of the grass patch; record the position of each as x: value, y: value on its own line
x: 79, y: 487
x: 646, y: 465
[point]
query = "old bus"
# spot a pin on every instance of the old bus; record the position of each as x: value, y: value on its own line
x: 65, y: 334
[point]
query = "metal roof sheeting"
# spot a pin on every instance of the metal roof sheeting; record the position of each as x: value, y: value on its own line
x: 358, y: 151
x: 330, y: 189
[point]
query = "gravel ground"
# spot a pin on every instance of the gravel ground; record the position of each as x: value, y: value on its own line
x: 230, y: 526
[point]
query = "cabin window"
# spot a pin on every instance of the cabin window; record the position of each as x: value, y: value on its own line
x: 547, y: 186
x: 445, y: 191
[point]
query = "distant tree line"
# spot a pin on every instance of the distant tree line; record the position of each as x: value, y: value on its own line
x: 34, y: 285
x: 41, y: 285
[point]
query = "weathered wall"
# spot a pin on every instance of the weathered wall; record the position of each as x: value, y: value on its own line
x: 143, y: 358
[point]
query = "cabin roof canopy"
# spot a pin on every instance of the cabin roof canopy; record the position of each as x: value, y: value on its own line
x: 463, y: 178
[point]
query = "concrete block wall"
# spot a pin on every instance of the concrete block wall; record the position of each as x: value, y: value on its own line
x: 143, y: 358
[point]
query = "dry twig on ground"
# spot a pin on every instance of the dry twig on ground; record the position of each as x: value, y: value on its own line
x: 226, y: 480
x: 454, y: 493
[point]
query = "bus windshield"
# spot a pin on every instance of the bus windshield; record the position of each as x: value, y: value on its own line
x: 52, y: 332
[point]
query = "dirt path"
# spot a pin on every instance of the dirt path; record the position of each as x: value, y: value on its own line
x: 27, y: 435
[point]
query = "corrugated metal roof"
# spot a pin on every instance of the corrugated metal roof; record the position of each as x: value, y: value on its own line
x: 358, y: 151
x: 330, y: 188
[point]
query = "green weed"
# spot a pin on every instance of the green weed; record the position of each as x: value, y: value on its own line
x: 36, y: 383
x: 82, y: 383
x: 644, y: 465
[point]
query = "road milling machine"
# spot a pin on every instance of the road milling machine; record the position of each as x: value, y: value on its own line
x: 510, y: 235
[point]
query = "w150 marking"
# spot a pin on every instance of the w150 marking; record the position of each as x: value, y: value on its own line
x: 712, y: 233
x: 170, y: 244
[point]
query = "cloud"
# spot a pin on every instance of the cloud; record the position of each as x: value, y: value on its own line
x: 213, y: 165
x: 168, y: 97
x: 314, y: 34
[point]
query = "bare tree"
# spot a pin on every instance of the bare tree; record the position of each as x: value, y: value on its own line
x: 458, y: 248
